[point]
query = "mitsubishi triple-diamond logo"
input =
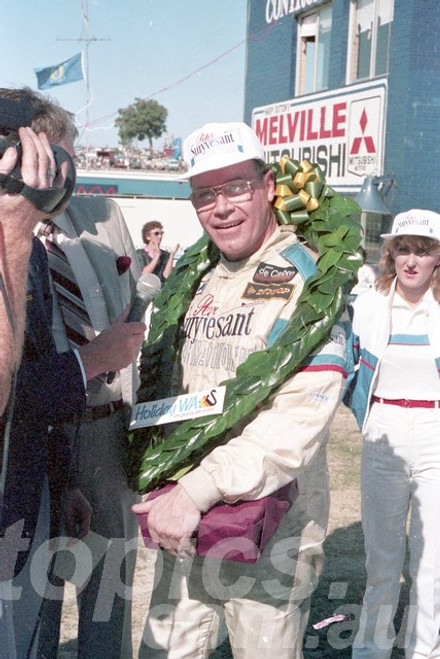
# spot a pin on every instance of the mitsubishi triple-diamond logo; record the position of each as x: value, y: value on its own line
x: 364, y: 143
x: 366, y: 139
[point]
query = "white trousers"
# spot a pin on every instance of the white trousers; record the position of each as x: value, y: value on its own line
x: 197, y: 616
x: 400, y: 475
x: 263, y: 607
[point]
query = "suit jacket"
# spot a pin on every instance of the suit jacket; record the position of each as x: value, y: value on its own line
x: 49, y: 390
x: 97, y: 224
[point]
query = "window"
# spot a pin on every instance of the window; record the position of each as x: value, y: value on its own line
x: 373, y: 225
x: 369, y: 38
x: 313, y: 51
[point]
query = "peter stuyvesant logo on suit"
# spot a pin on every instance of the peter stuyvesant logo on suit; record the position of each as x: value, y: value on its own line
x: 269, y: 282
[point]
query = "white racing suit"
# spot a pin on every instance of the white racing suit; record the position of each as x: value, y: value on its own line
x: 238, y: 309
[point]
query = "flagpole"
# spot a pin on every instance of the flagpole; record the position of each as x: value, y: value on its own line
x: 85, y: 14
x: 87, y: 39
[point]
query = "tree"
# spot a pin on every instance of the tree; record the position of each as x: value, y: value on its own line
x: 140, y: 120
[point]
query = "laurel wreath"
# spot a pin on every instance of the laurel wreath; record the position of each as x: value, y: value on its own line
x: 325, y: 220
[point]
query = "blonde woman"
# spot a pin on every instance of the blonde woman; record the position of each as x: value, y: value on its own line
x: 396, y: 401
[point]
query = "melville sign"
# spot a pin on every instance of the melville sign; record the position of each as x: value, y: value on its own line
x: 342, y: 130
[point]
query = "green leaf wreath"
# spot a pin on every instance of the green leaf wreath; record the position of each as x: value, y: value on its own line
x: 324, y: 219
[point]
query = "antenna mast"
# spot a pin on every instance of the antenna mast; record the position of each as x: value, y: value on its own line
x: 86, y: 39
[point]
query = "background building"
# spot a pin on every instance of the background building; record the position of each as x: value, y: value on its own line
x: 353, y: 85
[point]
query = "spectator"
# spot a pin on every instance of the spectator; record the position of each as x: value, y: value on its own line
x: 50, y: 389
x: 151, y: 257
x: 396, y: 400
x: 47, y: 386
x: 94, y: 267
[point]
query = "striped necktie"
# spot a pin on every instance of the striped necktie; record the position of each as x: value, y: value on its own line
x: 76, y: 318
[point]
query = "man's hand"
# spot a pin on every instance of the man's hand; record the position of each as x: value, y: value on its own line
x: 38, y: 166
x: 114, y: 348
x: 38, y: 170
x: 77, y: 514
x: 172, y: 520
x: 37, y: 163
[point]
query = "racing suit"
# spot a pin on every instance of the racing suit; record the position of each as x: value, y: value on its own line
x: 239, y: 308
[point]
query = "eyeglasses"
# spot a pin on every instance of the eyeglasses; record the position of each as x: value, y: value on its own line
x: 237, y: 191
x: 157, y: 233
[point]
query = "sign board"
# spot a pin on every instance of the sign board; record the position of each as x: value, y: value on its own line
x: 276, y: 9
x: 342, y: 130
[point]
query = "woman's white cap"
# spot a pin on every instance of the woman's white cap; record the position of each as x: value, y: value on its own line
x: 214, y: 146
x: 415, y: 222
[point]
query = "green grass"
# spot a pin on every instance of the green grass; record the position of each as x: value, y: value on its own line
x: 344, y: 451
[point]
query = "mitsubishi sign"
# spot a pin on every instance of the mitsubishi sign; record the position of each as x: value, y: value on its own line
x: 342, y: 130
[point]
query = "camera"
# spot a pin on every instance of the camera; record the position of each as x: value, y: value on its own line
x: 13, y: 115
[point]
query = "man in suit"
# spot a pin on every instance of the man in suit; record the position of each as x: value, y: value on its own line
x: 24, y: 521
x: 18, y: 217
x: 104, y: 612
x: 93, y: 235
x: 50, y: 388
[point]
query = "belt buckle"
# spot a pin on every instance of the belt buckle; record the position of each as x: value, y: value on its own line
x: 406, y: 402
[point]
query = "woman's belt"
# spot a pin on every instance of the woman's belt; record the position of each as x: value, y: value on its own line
x: 406, y: 402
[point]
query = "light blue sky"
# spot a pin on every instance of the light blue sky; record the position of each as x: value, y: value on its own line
x: 147, y: 46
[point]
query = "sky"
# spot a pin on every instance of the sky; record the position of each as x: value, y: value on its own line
x: 188, y: 56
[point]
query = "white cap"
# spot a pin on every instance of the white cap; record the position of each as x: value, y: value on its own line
x: 214, y: 146
x: 415, y: 222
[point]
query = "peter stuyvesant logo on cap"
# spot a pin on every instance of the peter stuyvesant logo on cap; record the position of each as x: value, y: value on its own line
x: 208, y: 143
x: 413, y: 221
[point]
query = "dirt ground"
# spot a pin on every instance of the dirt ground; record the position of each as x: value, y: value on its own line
x: 341, y: 585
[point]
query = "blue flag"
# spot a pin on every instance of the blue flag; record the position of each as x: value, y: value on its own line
x: 69, y: 71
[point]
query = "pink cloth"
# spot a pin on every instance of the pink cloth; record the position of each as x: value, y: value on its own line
x: 237, y: 532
